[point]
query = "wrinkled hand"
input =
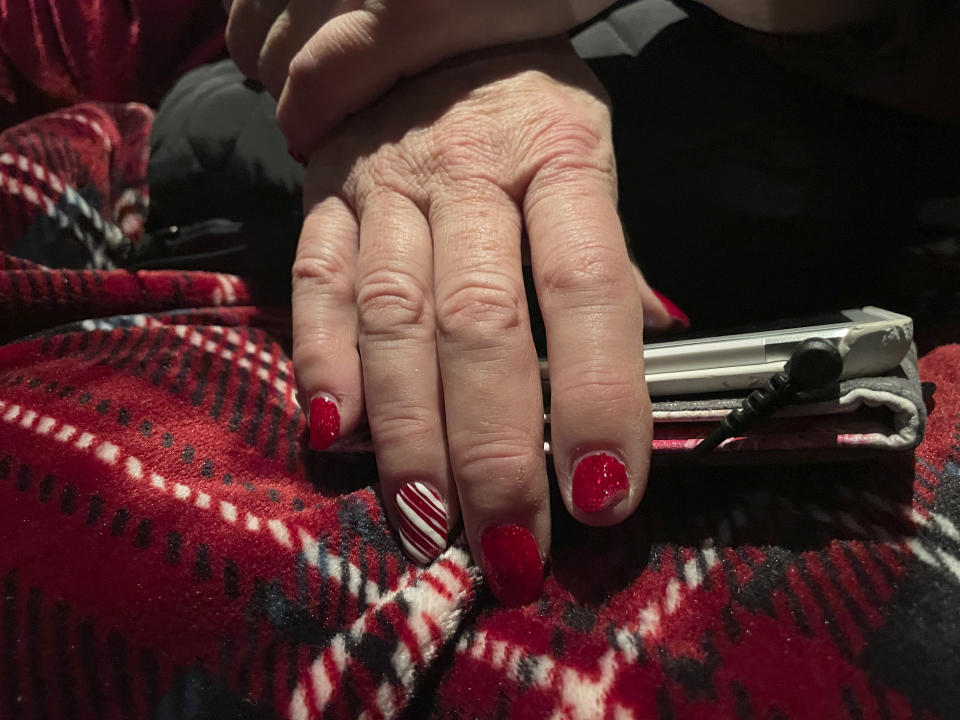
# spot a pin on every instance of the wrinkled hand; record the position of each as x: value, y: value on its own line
x: 408, y: 294
x: 343, y: 54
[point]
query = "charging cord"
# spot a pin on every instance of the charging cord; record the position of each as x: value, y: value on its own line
x: 814, y: 364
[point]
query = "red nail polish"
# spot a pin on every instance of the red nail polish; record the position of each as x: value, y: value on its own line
x: 324, y: 422
x: 679, y: 316
x: 423, y: 521
x: 599, y: 481
x: 296, y: 156
x: 511, y: 564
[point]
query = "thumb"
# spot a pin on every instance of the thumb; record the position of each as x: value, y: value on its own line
x: 660, y: 314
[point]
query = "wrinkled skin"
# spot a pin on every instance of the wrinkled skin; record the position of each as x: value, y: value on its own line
x: 408, y: 293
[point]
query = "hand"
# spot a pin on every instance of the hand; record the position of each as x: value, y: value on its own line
x: 343, y: 54
x: 408, y: 293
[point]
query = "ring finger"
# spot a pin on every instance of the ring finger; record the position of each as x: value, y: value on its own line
x: 401, y: 376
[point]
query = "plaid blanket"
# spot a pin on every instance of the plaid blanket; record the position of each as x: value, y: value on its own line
x: 170, y: 549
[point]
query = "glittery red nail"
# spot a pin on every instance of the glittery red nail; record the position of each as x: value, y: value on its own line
x: 679, y: 316
x: 324, y: 422
x: 511, y: 564
x: 599, y: 481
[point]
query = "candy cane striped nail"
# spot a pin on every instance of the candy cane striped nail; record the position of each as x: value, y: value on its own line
x: 423, y: 521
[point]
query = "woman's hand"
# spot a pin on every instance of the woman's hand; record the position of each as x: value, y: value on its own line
x: 408, y: 296
x: 341, y: 55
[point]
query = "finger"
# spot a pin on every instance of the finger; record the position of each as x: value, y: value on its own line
x: 661, y: 305
x: 656, y: 318
x: 325, y: 358
x: 401, y: 377
x: 660, y: 314
x: 492, y: 399
x: 599, y: 412
x: 348, y: 46
x: 247, y: 28
x: 290, y: 31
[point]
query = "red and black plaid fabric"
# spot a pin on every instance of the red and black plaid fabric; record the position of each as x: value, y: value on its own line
x: 170, y: 549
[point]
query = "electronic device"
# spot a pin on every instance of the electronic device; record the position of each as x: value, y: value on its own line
x: 871, y: 341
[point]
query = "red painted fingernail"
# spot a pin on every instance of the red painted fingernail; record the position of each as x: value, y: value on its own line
x: 423, y: 521
x: 512, y: 564
x: 679, y: 316
x: 296, y: 156
x: 599, y: 481
x: 324, y: 421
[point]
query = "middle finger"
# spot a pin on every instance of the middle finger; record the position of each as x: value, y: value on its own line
x: 492, y: 397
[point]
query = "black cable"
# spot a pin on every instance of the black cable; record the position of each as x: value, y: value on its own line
x: 815, y: 364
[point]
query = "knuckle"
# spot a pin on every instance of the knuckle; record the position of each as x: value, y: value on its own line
x: 325, y: 273
x: 391, y: 303
x: 301, y: 71
x: 304, y: 69
x: 567, y: 141
x: 384, y: 176
x: 409, y: 429
x: 593, y: 272
x: 461, y: 147
x: 507, y: 468
x: 477, y: 314
x: 614, y: 388
x: 336, y: 39
x: 315, y: 347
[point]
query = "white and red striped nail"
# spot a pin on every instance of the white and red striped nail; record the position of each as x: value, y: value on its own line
x: 423, y: 521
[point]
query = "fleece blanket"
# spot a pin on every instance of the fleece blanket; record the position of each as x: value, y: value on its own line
x: 169, y: 548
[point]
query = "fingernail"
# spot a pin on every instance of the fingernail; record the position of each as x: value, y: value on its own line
x: 511, y: 564
x: 423, y: 521
x: 679, y: 316
x: 599, y: 481
x: 296, y: 156
x: 324, y: 421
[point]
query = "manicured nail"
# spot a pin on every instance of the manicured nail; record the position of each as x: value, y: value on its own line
x: 296, y: 156
x: 511, y: 564
x: 680, y: 318
x: 599, y: 481
x: 324, y: 421
x: 423, y: 521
